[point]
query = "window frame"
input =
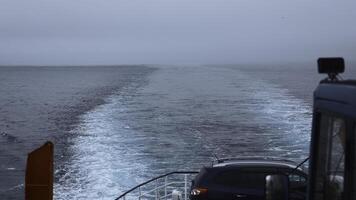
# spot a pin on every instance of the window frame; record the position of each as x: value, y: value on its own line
x: 353, y: 161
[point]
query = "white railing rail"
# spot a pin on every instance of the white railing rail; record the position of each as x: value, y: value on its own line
x: 161, y: 187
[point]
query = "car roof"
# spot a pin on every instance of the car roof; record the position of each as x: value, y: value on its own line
x: 256, y: 163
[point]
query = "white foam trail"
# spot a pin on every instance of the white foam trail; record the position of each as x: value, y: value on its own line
x: 102, y: 165
x: 288, y: 115
x: 177, y: 121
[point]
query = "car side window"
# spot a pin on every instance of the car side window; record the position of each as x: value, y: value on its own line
x: 296, y: 178
x: 241, y: 180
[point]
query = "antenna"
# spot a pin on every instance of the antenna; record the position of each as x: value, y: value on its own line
x: 216, y: 159
x: 300, y: 164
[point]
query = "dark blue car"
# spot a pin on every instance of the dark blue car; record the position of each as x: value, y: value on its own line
x: 245, y: 179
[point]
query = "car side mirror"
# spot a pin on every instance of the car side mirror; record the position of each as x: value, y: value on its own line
x: 277, y: 186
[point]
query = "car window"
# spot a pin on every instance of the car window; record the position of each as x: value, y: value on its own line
x: 296, y: 178
x: 240, y: 179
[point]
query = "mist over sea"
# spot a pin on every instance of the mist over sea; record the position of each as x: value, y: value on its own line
x: 114, y: 127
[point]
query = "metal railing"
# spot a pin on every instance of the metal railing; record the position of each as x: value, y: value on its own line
x: 160, y: 187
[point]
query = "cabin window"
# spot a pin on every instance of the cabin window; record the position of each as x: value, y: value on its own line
x: 331, y: 158
x: 336, y: 160
x: 354, y: 164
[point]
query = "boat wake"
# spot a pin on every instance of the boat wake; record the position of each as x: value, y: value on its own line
x: 179, y: 120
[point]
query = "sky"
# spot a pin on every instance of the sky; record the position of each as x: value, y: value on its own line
x: 81, y: 32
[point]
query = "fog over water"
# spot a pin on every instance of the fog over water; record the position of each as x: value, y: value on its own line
x: 65, y: 32
x: 130, y: 89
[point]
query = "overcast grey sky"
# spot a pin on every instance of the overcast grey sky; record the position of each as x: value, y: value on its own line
x: 174, y: 31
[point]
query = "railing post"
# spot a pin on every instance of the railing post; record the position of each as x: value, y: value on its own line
x: 139, y: 193
x: 165, y: 188
x: 156, y: 190
x: 185, y: 186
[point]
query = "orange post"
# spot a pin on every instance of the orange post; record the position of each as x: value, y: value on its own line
x: 39, y: 173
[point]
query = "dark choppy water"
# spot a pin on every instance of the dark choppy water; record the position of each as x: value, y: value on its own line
x: 45, y: 103
x: 178, y: 120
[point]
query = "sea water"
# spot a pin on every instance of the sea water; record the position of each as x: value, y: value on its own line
x: 179, y: 119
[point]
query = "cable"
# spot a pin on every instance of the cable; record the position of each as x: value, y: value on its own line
x: 300, y: 164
